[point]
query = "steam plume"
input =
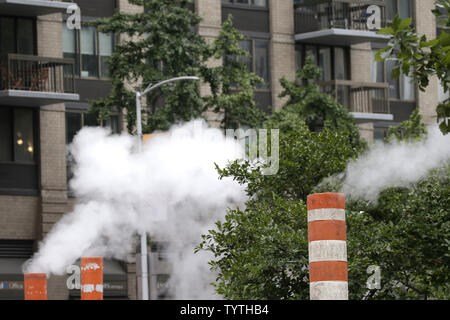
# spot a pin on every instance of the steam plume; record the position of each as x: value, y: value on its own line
x: 170, y: 190
x: 397, y: 164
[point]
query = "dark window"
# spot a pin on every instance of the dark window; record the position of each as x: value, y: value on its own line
x: 75, y: 120
x: 90, y: 49
x: 258, y: 60
x: 402, y: 88
x: 401, y: 7
x: 17, y: 142
x: 333, y: 61
x: 256, y: 3
x: 17, y: 35
x: 379, y: 134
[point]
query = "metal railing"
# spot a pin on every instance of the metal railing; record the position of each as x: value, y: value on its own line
x: 363, y: 97
x: 315, y: 15
x: 34, y: 73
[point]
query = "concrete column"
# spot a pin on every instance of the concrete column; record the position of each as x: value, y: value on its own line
x: 52, y: 146
x: 327, y: 247
x: 360, y: 58
x: 426, y: 25
x: 282, y: 47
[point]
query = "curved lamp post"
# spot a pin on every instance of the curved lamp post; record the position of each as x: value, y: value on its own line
x: 144, y: 266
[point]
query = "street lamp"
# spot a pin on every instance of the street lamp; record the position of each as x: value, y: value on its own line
x: 144, y: 266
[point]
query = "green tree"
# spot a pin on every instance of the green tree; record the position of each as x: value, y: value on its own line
x: 234, y: 86
x: 317, y: 109
x: 261, y: 252
x: 406, y: 234
x: 162, y: 43
x: 412, y: 129
x: 422, y: 57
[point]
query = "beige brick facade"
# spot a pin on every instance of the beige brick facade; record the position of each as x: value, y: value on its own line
x: 360, y: 57
x: 426, y: 25
x: 282, y: 47
x: 19, y: 217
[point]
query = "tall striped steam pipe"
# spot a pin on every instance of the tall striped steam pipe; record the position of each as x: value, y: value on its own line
x: 328, y: 279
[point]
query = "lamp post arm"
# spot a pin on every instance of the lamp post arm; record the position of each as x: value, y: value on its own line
x: 159, y: 84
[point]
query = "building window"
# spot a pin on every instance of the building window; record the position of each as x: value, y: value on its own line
x: 258, y: 60
x: 17, y: 35
x: 75, y: 120
x: 256, y: 3
x: 333, y: 61
x: 379, y: 134
x: 17, y: 138
x: 401, y: 7
x: 90, y: 49
x: 402, y: 88
x: 442, y: 95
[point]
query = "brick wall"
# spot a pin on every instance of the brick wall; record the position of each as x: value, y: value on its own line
x: 360, y: 59
x: 18, y: 217
x: 282, y: 47
x: 426, y: 24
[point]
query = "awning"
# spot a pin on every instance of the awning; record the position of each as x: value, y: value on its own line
x: 32, y: 8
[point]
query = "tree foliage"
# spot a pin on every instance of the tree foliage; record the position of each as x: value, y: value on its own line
x: 162, y: 43
x: 420, y: 57
x: 261, y: 251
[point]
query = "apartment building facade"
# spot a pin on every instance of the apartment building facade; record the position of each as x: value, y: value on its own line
x: 50, y: 74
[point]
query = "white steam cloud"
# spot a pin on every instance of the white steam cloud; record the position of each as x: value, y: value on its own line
x: 170, y: 190
x: 397, y: 164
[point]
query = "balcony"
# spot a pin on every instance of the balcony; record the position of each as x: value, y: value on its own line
x: 337, y: 22
x: 31, y: 8
x: 27, y: 80
x: 366, y: 101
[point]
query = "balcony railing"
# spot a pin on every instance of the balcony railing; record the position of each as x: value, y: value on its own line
x: 33, y: 73
x: 361, y: 97
x: 315, y: 15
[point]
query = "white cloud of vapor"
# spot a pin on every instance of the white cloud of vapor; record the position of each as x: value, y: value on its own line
x: 397, y: 164
x: 170, y: 190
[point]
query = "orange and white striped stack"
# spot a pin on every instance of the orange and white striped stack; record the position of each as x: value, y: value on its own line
x: 35, y: 285
x: 92, y: 278
x: 328, y: 279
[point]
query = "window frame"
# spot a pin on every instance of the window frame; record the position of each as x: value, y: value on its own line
x: 233, y: 3
x: 16, y: 18
x: 268, y: 86
x: 397, y: 2
x: 317, y: 48
x: 79, y: 58
x: 83, y: 113
x: 399, y: 83
x: 35, y: 132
